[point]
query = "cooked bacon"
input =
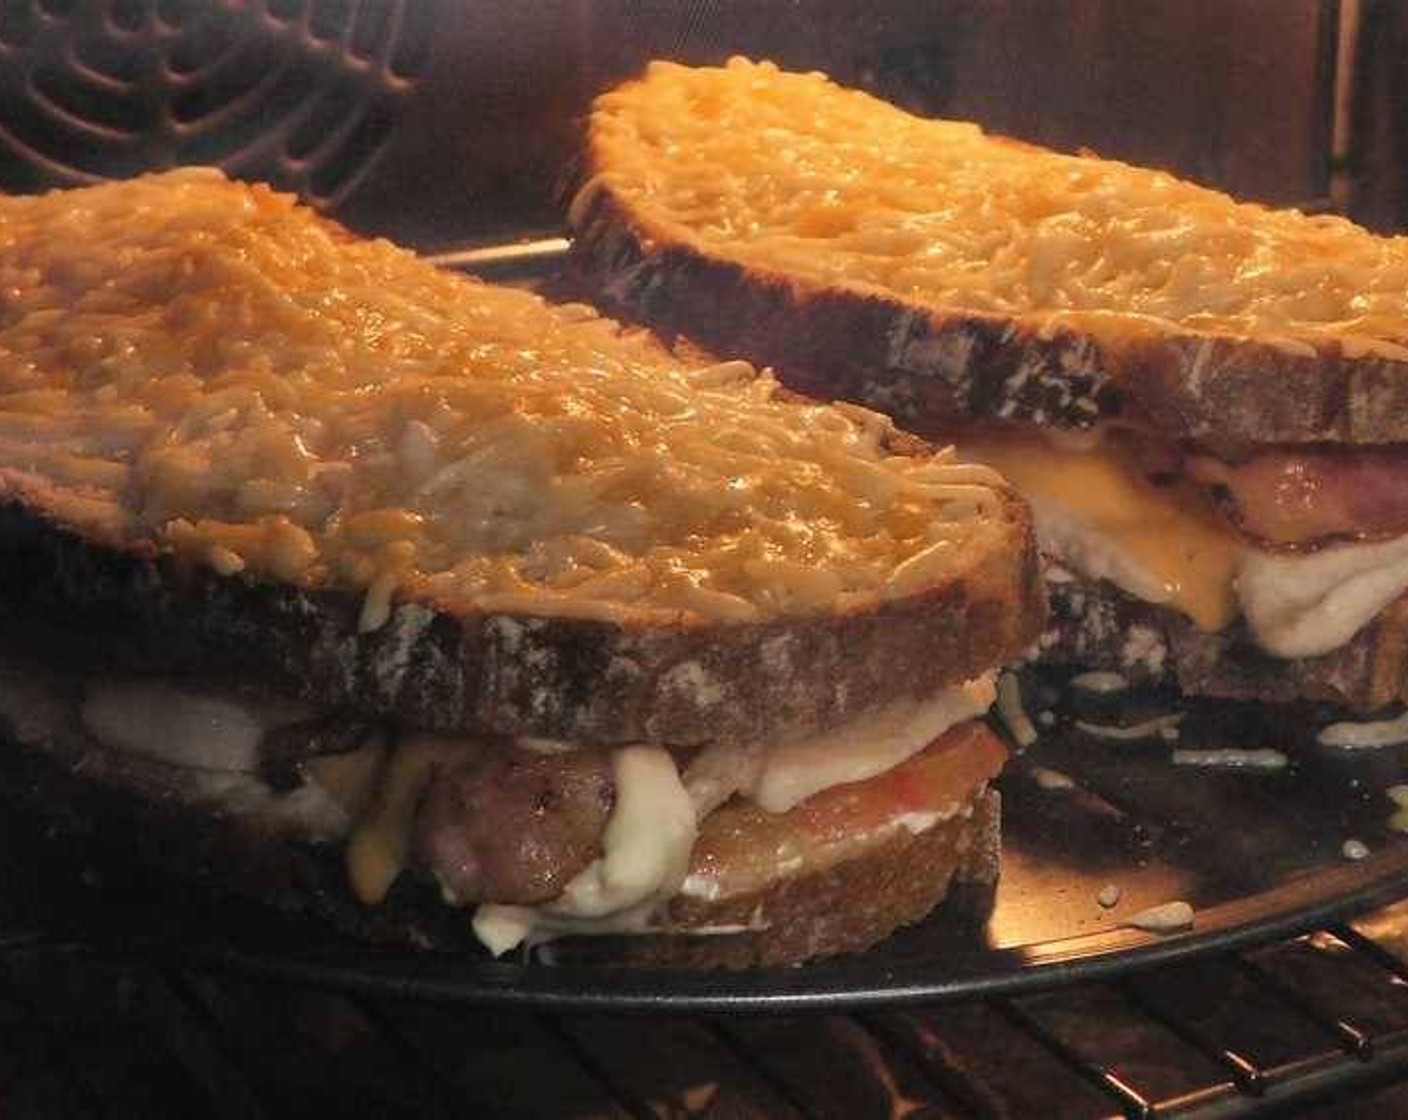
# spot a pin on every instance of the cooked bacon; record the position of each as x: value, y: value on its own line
x: 514, y: 827
x: 1301, y: 497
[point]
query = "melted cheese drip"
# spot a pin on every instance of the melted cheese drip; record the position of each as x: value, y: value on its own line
x: 790, y: 171
x: 377, y: 850
x: 1163, y: 544
x: 211, y: 367
x: 1303, y: 605
x: 1095, y: 513
x: 158, y: 720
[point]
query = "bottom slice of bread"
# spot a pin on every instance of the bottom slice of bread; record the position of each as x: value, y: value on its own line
x: 1095, y: 625
x: 845, y: 909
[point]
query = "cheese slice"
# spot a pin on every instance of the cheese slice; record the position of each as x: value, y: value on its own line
x: 1093, y: 510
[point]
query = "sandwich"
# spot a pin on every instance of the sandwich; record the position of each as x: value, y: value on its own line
x: 455, y: 615
x: 1204, y: 400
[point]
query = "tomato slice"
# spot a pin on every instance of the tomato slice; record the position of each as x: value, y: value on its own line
x: 743, y: 848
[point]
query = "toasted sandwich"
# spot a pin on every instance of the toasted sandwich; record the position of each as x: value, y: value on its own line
x: 1205, y: 401
x: 454, y: 614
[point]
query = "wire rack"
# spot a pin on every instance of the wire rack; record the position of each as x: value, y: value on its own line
x: 1274, y: 1029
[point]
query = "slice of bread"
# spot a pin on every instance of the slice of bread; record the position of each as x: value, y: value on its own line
x: 939, y: 274
x: 1095, y: 625
x: 234, y: 437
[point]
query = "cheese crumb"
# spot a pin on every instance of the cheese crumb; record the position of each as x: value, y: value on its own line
x: 1100, y: 682
x: 1368, y: 735
x: 1146, y: 730
x: 1261, y: 759
x: 1354, y: 849
x: 1011, y: 711
x: 1052, y: 779
x: 1109, y: 895
x: 1168, y: 918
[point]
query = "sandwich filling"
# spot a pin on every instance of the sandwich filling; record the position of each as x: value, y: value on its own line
x: 545, y: 839
x: 1152, y: 523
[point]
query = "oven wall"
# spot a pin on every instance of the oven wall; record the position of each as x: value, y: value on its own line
x: 446, y: 121
x: 1236, y: 93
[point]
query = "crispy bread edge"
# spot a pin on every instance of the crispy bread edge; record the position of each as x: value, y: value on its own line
x: 574, y: 679
x: 1095, y: 625
x: 929, y: 368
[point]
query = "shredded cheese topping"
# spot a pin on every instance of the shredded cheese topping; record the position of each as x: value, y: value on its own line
x: 789, y: 171
x: 244, y: 383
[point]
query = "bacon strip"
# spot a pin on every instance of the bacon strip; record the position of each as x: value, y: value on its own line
x: 1305, y: 497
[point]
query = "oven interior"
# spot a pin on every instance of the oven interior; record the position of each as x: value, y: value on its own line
x: 450, y: 126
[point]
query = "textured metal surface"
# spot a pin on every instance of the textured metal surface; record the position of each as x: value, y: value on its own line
x: 301, y: 94
x: 82, y: 1034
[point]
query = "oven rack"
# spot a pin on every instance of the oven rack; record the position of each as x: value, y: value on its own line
x: 1270, y: 1029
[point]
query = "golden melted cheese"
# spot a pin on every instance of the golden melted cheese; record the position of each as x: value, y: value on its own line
x: 1163, y: 544
x: 242, y: 382
x: 790, y: 171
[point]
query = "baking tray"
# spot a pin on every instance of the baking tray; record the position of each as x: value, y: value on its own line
x: 1258, y: 853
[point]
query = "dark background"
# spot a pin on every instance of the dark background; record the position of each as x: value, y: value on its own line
x: 442, y: 121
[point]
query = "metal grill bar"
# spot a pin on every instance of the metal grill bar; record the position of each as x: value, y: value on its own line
x: 747, y: 1055
x: 621, y: 1094
x: 1133, y: 1104
x: 1245, y: 1073
x: 1351, y: 1038
x: 1389, y: 962
x: 972, y: 1096
x: 909, y: 1064
x: 412, y: 1059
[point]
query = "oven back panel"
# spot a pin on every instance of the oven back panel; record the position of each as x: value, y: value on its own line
x: 441, y: 122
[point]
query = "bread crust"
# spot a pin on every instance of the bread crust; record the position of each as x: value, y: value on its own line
x: 923, y: 367
x: 1095, y: 625
x: 931, y: 367
x: 579, y: 680
x: 845, y: 909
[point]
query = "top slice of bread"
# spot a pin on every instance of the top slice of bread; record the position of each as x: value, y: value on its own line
x: 234, y: 437
x: 936, y: 273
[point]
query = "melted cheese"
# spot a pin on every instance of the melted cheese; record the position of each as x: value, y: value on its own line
x: 645, y: 854
x: 794, y: 771
x: 1097, y: 515
x: 1304, y: 605
x: 376, y: 852
x: 214, y: 369
x: 1367, y: 735
x: 788, y: 171
x: 160, y: 720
